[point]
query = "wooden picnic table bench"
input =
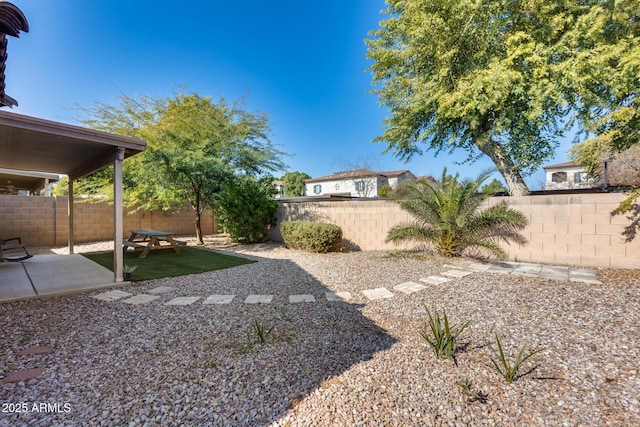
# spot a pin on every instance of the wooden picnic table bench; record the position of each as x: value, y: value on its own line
x: 150, y: 240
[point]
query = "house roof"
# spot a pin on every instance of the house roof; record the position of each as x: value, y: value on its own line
x: 399, y: 172
x: 358, y: 173
x: 562, y: 165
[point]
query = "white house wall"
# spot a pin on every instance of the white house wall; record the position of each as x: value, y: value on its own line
x: 344, y: 186
x: 570, y: 182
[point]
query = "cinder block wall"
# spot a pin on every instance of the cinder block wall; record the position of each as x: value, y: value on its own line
x: 563, y: 229
x: 43, y: 221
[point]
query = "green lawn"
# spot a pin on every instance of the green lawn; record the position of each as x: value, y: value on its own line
x: 166, y: 263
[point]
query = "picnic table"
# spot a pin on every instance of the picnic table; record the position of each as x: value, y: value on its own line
x: 150, y: 240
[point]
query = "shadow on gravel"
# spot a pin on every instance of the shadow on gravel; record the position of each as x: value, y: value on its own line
x: 217, y: 364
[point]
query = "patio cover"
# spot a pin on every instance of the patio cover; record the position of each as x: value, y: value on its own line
x: 33, y: 144
x: 33, y: 182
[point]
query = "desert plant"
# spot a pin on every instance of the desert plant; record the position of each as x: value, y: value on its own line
x: 448, y: 217
x: 468, y: 391
x: 311, y: 236
x: 440, y: 336
x: 129, y: 268
x: 260, y: 330
x: 509, y: 370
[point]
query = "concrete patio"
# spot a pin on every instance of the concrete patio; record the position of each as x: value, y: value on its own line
x: 51, y: 274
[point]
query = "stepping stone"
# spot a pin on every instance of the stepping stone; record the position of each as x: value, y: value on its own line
x: 582, y: 273
x: 43, y: 349
x: 435, y: 280
x: 377, y: 293
x: 140, y: 299
x: 258, y: 299
x: 555, y: 273
x: 584, y: 276
x: 112, y: 295
x: 294, y: 299
x: 24, y: 375
x: 532, y: 269
x: 409, y: 287
x: 50, y: 320
x: 219, y: 299
x: 456, y: 273
x: 160, y: 290
x: 585, y: 280
x: 459, y: 264
x: 338, y: 296
x: 523, y: 274
x: 52, y: 334
x: 554, y: 276
x: 495, y: 268
x: 478, y: 267
x: 182, y: 301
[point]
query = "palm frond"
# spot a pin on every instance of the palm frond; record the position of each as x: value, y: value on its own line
x: 449, y: 214
x: 411, y: 231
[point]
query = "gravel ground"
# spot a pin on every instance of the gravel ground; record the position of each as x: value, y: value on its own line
x: 328, y: 363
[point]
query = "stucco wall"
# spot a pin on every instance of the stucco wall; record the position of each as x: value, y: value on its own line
x: 344, y: 186
x: 563, y: 229
x: 43, y: 221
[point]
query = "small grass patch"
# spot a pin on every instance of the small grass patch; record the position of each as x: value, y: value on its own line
x: 167, y: 263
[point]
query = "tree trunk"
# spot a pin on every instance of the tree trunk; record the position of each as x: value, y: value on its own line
x: 198, y: 210
x: 504, y: 164
x: 199, y: 228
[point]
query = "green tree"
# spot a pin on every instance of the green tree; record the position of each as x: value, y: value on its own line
x: 494, y: 187
x: 623, y: 170
x: 448, y: 217
x: 294, y: 183
x: 245, y: 208
x: 194, y: 146
x: 502, y: 78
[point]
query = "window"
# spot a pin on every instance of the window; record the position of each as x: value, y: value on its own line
x: 337, y: 185
x: 360, y: 186
x: 559, y: 177
x: 580, y: 177
x: 317, y: 189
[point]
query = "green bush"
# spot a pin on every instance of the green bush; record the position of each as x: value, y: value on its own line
x: 311, y: 236
x: 245, y: 209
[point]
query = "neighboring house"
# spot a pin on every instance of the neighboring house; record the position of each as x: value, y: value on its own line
x: 27, y: 183
x: 279, y: 186
x: 567, y: 175
x: 356, y: 183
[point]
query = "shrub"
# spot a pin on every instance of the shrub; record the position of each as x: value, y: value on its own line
x: 245, y: 209
x: 384, y: 190
x: 311, y: 236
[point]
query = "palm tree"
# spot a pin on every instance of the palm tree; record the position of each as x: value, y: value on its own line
x: 449, y: 218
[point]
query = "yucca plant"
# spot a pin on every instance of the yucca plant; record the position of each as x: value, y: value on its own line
x: 448, y: 217
x: 507, y: 369
x: 440, y: 336
x: 261, y: 330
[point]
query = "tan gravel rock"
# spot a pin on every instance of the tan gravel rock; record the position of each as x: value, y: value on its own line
x: 328, y: 363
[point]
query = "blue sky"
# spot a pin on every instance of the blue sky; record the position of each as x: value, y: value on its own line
x: 301, y: 62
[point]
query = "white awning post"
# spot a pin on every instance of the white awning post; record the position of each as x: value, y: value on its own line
x: 117, y: 216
